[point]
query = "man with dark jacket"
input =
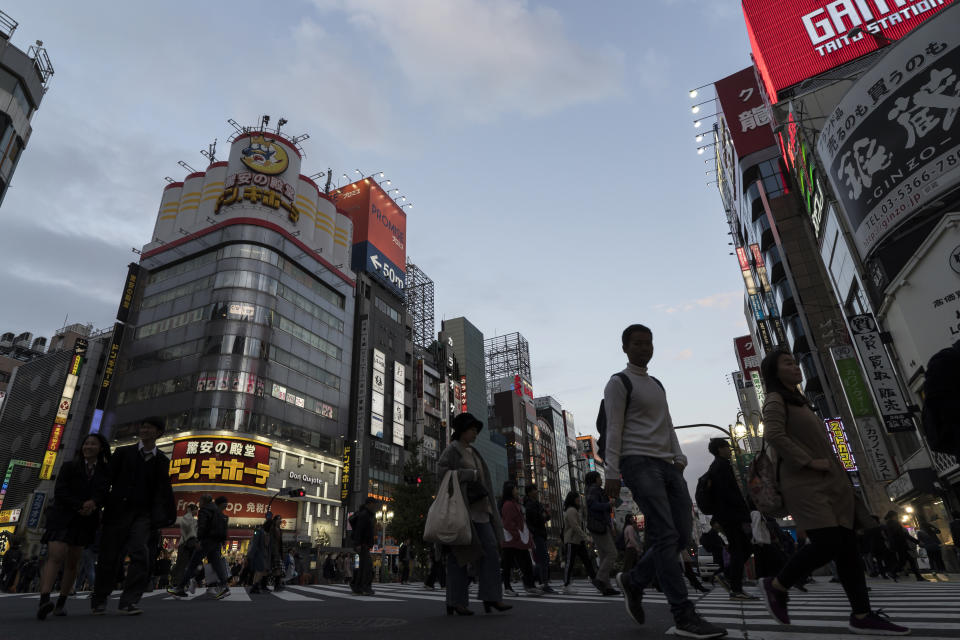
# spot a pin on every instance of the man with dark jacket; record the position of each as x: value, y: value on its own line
x: 363, y: 534
x: 140, y: 502
x: 211, y: 534
x: 733, y: 514
x: 537, y: 517
x: 599, y: 525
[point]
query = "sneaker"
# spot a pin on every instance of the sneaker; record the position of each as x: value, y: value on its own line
x: 741, y: 595
x: 177, y: 592
x: 44, y: 609
x: 533, y: 592
x: 722, y: 579
x: 367, y: 593
x: 876, y: 623
x: 776, y: 601
x: 222, y: 593
x: 599, y: 585
x: 548, y: 589
x: 98, y: 609
x: 510, y: 592
x: 632, y: 598
x: 130, y: 610
x: 691, y: 625
x: 610, y: 591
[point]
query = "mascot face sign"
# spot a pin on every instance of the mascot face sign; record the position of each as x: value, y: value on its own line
x: 265, y: 156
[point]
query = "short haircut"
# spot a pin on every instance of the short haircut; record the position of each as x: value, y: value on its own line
x: 191, y: 506
x: 716, y: 444
x: 591, y: 477
x: 221, y: 500
x: 154, y: 421
x: 206, y: 499
x: 632, y: 329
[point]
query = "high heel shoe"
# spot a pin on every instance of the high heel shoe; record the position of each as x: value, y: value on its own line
x: 499, y: 606
x: 459, y: 610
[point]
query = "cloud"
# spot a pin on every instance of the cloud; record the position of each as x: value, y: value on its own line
x: 479, y: 59
x: 716, y: 301
x: 686, y: 354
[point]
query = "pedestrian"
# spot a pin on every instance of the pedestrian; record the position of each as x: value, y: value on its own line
x: 72, y: 520
x: 900, y: 542
x: 437, y: 571
x: 162, y: 569
x: 733, y: 515
x: 927, y: 535
x: 537, y: 517
x: 363, y: 526
x: 600, y: 526
x: 86, y: 574
x: 11, y: 565
x: 517, y: 542
x: 712, y: 541
x: 955, y: 533
x: 346, y: 567
x: 329, y: 569
x: 258, y: 554
x: 276, y: 554
x: 642, y: 446
x: 819, y: 496
x: 768, y: 546
x: 211, y: 534
x: 574, y: 542
x: 632, y: 544
x: 487, y: 529
x: 140, y: 501
x: 405, y: 554
x: 188, y: 542
x: 876, y: 548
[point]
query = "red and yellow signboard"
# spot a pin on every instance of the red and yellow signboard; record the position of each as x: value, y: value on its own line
x: 217, y: 460
x: 838, y: 437
x: 245, y: 506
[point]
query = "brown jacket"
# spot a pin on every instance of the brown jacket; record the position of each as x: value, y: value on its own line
x: 451, y: 460
x: 816, y: 499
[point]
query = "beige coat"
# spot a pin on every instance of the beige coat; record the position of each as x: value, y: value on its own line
x: 451, y: 460
x: 815, y: 499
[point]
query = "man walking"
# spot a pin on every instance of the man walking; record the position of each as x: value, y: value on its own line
x: 362, y: 523
x: 733, y: 514
x: 188, y: 542
x: 642, y: 446
x: 537, y: 517
x: 140, y: 501
x: 598, y: 524
x: 211, y: 534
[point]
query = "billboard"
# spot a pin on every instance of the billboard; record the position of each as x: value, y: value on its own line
x: 748, y: 118
x: 892, y: 145
x: 263, y: 172
x: 228, y: 461
x: 893, y: 406
x: 747, y: 356
x: 379, y: 232
x: 793, y: 40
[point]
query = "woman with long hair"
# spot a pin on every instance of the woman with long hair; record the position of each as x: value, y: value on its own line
x: 72, y: 520
x: 574, y: 541
x: 517, y: 541
x: 486, y: 528
x: 819, y: 496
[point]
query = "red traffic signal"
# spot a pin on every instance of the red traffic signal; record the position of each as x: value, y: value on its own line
x: 296, y: 493
x: 419, y: 480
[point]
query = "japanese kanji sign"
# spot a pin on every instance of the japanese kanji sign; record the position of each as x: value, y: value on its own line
x: 838, y: 438
x: 880, y: 375
x: 215, y: 460
x: 893, y: 142
x: 747, y: 116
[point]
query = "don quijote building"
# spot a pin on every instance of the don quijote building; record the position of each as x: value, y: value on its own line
x: 236, y: 327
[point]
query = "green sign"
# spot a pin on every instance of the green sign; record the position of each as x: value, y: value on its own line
x: 858, y: 396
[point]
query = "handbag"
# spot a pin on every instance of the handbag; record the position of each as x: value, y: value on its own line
x: 763, y: 484
x: 476, y: 491
x: 448, y: 520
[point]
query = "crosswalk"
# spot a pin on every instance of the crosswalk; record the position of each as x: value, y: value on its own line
x: 929, y: 609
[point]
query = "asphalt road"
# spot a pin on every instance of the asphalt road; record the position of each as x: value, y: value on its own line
x: 409, y: 612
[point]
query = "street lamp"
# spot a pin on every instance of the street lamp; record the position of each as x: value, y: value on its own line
x: 384, y: 517
x: 693, y: 92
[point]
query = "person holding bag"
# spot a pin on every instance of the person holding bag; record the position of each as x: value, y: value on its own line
x: 517, y: 542
x: 819, y: 496
x: 486, y: 528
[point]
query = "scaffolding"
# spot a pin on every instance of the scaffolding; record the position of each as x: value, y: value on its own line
x: 418, y: 299
x: 506, y: 355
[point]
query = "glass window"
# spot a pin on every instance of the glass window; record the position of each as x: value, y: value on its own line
x: 309, y: 369
x: 243, y: 311
x: 392, y: 313
x: 232, y: 344
x: 165, y: 355
x: 183, y: 267
x: 179, y: 320
x: 176, y: 292
x: 156, y: 389
x: 236, y: 381
x: 256, y: 252
x: 310, y: 338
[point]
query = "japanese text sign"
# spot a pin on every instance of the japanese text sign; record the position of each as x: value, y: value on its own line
x: 838, y: 438
x: 748, y: 118
x: 879, y: 369
x: 893, y: 142
x: 221, y: 461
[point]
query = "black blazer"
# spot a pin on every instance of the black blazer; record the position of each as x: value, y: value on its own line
x: 72, y: 489
x: 138, y: 485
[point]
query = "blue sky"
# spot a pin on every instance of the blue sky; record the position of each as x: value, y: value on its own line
x: 548, y: 150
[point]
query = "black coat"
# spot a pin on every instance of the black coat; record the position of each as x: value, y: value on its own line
x: 72, y: 489
x: 537, y: 517
x: 731, y: 508
x: 363, y: 528
x: 138, y: 485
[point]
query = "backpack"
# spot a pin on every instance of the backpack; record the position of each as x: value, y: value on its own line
x: 602, y: 415
x: 763, y: 484
x: 704, y: 494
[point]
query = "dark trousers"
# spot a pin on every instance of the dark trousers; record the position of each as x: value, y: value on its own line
x: 209, y: 549
x: 739, y: 548
x: 904, y: 558
x: 363, y: 576
x: 831, y: 543
x: 125, y: 534
x: 184, y: 555
x: 574, y: 552
x: 542, y: 557
x: 519, y: 558
x: 405, y: 572
x: 936, y: 560
x: 437, y: 574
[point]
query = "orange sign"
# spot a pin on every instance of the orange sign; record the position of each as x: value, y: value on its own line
x: 376, y: 219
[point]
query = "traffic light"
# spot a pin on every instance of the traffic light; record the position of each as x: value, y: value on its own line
x: 419, y: 481
x: 296, y: 493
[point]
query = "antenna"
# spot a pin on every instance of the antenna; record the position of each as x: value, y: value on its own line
x: 326, y: 189
x: 233, y: 123
x: 211, y: 152
x: 169, y: 179
x: 317, y: 175
x: 296, y: 139
x: 282, y: 121
x: 187, y: 167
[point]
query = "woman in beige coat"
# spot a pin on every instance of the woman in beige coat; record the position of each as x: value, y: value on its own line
x: 819, y: 496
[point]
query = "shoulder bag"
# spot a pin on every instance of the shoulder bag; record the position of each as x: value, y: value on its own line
x: 448, y: 520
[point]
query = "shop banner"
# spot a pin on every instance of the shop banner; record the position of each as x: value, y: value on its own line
x: 242, y: 507
x: 214, y: 460
x: 880, y: 373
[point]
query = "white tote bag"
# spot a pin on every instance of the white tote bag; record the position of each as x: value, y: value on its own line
x: 448, y: 520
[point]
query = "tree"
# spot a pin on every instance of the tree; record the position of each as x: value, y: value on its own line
x: 412, y: 500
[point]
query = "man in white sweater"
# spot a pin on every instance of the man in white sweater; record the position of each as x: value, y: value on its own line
x: 642, y: 448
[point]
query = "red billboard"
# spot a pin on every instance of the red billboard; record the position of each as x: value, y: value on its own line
x: 206, y: 460
x: 793, y: 40
x: 245, y: 505
x: 747, y: 356
x: 748, y: 118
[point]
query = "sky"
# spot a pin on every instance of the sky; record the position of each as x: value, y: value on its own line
x: 547, y: 147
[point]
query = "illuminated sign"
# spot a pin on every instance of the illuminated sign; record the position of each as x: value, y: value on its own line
x: 764, y: 332
x: 793, y: 40
x: 220, y: 461
x: 747, y: 355
x: 521, y: 387
x: 399, y: 372
x: 260, y: 189
x: 345, y: 474
x: 10, y: 467
x: 9, y: 515
x: 63, y: 411
x: 841, y: 447
x: 246, y: 508
x: 745, y: 270
x: 757, y: 306
x: 804, y: 171
x: 238, y: 381
x: 463, y: 394
x: 265, y: 156
x: 758, y: 386
x: 129, y: 287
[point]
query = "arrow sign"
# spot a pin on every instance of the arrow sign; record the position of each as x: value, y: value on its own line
x: 373, y: 259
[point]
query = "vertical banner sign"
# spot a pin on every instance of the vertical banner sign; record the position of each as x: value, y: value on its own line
x: 876, y: 362
x: 748, y: 281
x: 838, y: 438
x: 377, y: 396
x: 763, y: 331
x: 361, y: 415
x: 63, y: 410
x: 399, y: 373
x: 36, y: 509
x: 861, y: 405
x: 463, y: 394
x: 778, y: 331
x: 743, y: 108
x: 345, y: 474
x: 129, y: 288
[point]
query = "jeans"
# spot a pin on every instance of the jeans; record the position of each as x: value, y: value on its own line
x: 86, y: 574
x: 661, y: 494
x: 486, y: 567
x: 127, y: 534
x: 574, y: 551
x: 607, y: 555
x: 542, y: 557
x: 738, y: 545
x: 209, y: 549
x: 831, y: 543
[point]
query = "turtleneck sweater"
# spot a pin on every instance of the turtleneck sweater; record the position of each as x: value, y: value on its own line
x: 645, y: 429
